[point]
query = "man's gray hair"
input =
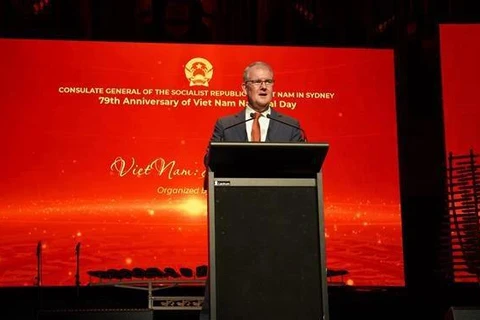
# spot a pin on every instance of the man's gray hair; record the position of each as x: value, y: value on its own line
x: 255, y: 64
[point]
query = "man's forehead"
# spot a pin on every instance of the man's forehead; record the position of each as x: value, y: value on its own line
x: 260, y: 69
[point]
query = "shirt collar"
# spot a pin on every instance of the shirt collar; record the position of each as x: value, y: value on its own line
x: 249, y: 110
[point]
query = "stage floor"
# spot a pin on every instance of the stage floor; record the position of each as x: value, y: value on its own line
x: 22, y: 303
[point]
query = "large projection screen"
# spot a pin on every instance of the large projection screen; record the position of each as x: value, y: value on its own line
x: 103, y: 146
x: 460, y: 69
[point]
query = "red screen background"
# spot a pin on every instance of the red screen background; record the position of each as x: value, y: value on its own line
x: 62, y: 180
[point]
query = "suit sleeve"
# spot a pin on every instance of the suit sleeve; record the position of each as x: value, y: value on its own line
x: 217, y: 135
x: 218, y: 132
x: 297, y: 135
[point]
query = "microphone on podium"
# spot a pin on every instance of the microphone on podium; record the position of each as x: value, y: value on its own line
x: 222, y: 138
x: 252, y: 116
x: 290, y: 125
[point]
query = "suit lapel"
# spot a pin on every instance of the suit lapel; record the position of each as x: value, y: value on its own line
x: 241, y: 129
x: 273, y: 127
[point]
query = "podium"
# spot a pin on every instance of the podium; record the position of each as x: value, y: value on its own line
x: 266, y: 231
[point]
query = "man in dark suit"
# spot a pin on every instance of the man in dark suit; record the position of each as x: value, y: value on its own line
x: 258, y: 82
x: 258, y: 122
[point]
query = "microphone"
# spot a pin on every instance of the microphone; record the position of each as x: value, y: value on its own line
x: 290, y: 125
x: 206, y: 158
x: 252, y: 116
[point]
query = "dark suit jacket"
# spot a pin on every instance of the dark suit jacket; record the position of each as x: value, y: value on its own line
x: 277, y: 131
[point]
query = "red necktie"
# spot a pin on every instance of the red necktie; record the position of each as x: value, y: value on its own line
x: 256, y: 128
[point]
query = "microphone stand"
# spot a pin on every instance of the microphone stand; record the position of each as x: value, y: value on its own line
x: 38, y: 281
x: 304, y: 135
x: 77, y: 274
x: 252, y: 116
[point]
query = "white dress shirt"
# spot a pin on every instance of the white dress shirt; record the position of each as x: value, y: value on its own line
x: 264, y: 122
